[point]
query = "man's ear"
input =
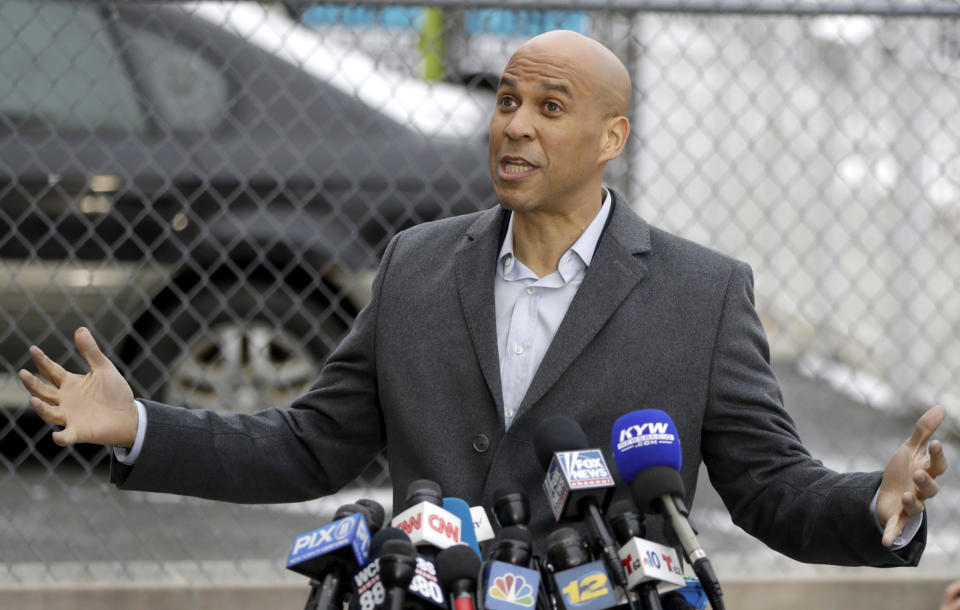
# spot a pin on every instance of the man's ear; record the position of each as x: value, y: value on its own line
x: 616, y: 130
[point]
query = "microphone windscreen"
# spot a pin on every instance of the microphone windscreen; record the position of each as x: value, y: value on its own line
x: 626, y: 521
x: 456, y: 563
x: 555, y: 434
x: 387, y: 533
x: 565, y: 549
x: 398, y: 546
x: 511, y: 506
x: 423, y: 490
x: 652, y: 484
x: 348, y: 509
x: 377, y: 514
x: 515, y: 532
x: 642, y: 439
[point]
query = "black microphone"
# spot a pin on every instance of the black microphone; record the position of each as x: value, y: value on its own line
x: 511, y: 506
x: 626, y: 521
x: 459, y: 568
x: 582, y: 583
x: 650, y: 567
x: 376, y: 514
x: 387, y: 533
x: 566, y: 549
x: 514, y: 545
x: 578, y: 485
x: 508, y: 579
x: 423, y: 490
x: 676, y: 601
x: 424, y: 589
x: 368, y: 590
x: 398, y: 564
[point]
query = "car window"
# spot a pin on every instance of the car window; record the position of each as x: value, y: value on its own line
x: 60, y: 71
x: 187, y: 90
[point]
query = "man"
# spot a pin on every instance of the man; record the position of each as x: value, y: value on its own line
x: 559, y: 301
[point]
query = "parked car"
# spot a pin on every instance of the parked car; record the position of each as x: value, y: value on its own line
x: 208, y: 187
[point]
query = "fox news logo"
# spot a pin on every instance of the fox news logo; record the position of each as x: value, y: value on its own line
x: 585, y: 468
x: 644, y: 435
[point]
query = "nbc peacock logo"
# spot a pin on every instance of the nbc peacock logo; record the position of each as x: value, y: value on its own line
x: 512, y: 589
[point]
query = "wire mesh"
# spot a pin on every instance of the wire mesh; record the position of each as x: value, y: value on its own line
x: 209, y: 187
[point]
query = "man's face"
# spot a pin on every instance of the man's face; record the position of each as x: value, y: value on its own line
x: 545, y: 134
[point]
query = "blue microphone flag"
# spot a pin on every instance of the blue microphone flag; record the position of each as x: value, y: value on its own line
x: 645, y: 438
x: 348, y: 538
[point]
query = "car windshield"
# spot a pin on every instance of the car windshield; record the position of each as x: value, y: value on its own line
x: 432, y: 109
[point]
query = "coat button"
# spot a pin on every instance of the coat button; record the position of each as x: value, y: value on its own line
x: 481, y: 443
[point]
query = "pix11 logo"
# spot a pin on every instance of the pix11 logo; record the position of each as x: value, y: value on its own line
x: 510, y: 587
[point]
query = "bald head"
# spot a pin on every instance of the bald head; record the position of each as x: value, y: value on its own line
x: 601, y: 72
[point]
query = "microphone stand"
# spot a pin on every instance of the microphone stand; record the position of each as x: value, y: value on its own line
x: 603, y: 538
x: 649, y: 598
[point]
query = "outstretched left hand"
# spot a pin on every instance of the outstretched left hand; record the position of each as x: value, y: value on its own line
x: 910, y: 477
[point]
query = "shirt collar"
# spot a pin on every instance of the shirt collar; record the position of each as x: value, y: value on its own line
x: 584, y: 247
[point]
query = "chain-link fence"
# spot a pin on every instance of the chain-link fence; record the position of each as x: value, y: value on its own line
x: 209, y: 187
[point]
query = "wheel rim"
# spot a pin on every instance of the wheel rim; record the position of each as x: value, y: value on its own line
x: 242, y: 369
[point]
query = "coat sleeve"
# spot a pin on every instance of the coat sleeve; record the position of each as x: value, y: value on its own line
x: 324, y: 440
x: 770, y: 484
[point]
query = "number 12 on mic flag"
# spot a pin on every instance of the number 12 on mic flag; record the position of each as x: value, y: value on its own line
x: 586, y: 587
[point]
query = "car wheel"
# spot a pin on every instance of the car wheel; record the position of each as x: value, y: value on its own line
x: 237, y: 351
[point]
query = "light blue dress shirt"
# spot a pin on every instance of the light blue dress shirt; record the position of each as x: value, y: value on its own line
x: 530, y: 308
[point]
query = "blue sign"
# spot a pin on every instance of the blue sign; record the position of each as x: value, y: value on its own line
x: 510, y: 587
x: 586, y: 587
x: 350, y: 532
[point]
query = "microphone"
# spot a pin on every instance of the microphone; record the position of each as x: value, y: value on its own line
x: 429, y: 526
x: 369, y: 586
x: 375, y: 516
x: 582, y: 584
x: 576, y: 475
x: 481, y: 524
x: 509, y: 583
x: 651, y: 568
x: 458, y: 568
x: 468, y: 534
x: 578, y: 484
x: 327, y: 554
x: 398, y: 564
x: 625, y: 521
x: 511, y: 506
x: 646, y: 449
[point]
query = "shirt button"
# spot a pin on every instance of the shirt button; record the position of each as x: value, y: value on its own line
x: 481, y: 443
x: 509, y: 413
x: 518, y: 350
x: 531, y: 290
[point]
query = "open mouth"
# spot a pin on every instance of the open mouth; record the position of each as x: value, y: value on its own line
x: 512, y: 169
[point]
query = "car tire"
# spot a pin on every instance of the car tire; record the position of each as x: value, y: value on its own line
x: 235, y: 349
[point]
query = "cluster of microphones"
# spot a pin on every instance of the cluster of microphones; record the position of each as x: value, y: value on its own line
x: 439, y: 553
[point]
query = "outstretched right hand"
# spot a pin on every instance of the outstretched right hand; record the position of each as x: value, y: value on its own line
x: 94, y: 408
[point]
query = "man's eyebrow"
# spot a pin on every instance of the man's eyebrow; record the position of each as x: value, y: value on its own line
x: 506, y: 81
x: 558, y: 87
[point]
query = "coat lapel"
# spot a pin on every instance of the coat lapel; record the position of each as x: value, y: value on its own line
x: 612, y: 275
x: 476, y: 262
